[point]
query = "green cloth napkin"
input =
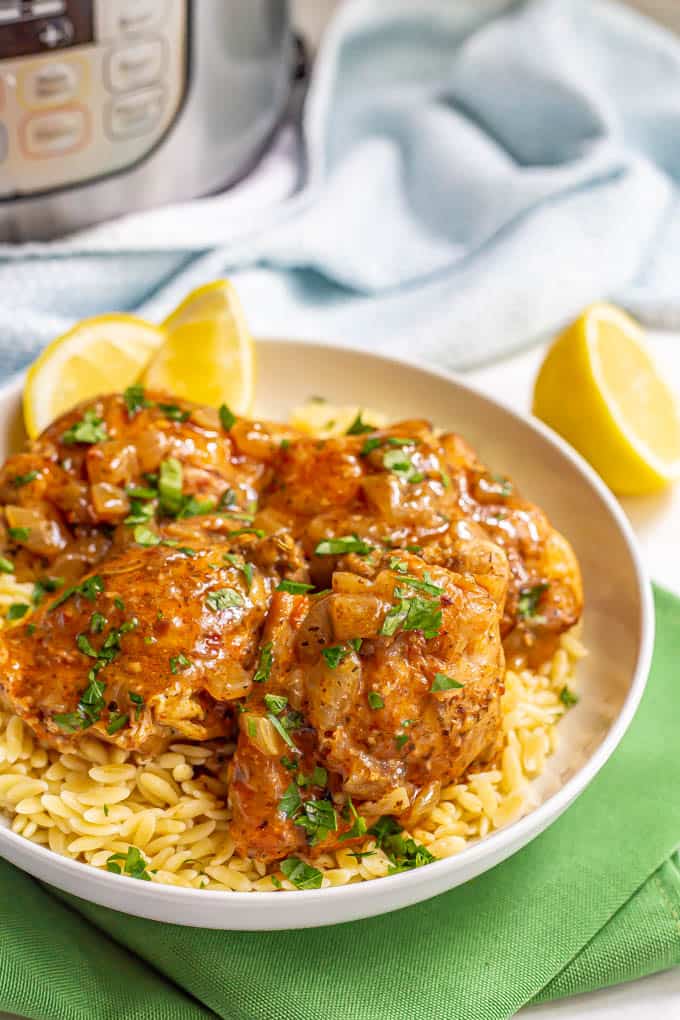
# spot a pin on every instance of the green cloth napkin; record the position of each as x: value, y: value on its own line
x: 593, y: 901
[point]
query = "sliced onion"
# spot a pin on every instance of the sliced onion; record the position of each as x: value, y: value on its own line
x: 152, y: 447
x: 206, y: 418
x: 115, y: 462
x: 253, y: 439
x: 355, y: 616
x: 45, y: 536
x: 109, y: 501
x: 426, y: 801
x: 260, y: 732
x: 384, y: 495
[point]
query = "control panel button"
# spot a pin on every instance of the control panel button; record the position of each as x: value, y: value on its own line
x: 56, y: 33
x: 135, y: 66
x: 55, y: 133
x: 136, y: 114
x: 130, y: 17
x: 51, y: 83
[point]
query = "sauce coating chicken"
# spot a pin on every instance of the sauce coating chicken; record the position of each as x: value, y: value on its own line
x: 340, y: 606
x: 156, y: 645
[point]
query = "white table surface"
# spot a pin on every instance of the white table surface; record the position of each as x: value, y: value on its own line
x: 657, y: 523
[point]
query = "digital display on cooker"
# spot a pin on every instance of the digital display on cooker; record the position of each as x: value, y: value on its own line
x: 39, y: 26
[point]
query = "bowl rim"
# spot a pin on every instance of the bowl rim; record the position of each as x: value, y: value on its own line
x: 517, y: 833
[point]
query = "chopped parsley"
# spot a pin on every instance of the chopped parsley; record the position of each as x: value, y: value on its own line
x: 138, y: 701
x: 400, y: 464
x: 502, y: 485
x: 567, y: 697
x: 318, y: 821
x: 6, y: 566
x: 92, y: 702
x: 179, y: 662
x: 413, y: 613
x: 97, y: 623
x: 288, y: 763
x: 282, y: 729
x: 117, y: 720
x: 341, y: 545
x: 425, y: 585
x: 19, y: 534
x: 224, y: 598
x: 375, y: 700
x: 90, y: 429
x: 170, y: 486
x: 265, y: 663
x: 242, y: 565
x: 275, y: 703
x: 90, y: 707
x: 174, y: 413
x: 227, y: 418
x: 141, y: 492
x: 183, y: 549
x: 20, y: 480
x: 84, y: 645
x: 89, y: 589
x: 144, y: 536
x: 140, y: 513
x: 294, y: 587
x: 291, y: 802
x: 43, y: 586
x: 258, y: 532
x: 192, y: 507
x: 404, y: 854
x: 319, y: 777
x: 302, y: 875
x: 317, y: 817
x: 359, y: 427
x: 358, y: 827
x: 133, y: 864
x: 135, y: 400
x: 529, y: 599
x: 442, y: 682
x: 371, y: 444
x: 17, y: 610
x: 334, y: 655
x: 400, y: 739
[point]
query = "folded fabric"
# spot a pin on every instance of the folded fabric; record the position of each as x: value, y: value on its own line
x: 477, y: 172
x: 594, y: 900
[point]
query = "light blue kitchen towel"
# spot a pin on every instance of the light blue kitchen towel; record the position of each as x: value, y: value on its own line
x: 475, y: 172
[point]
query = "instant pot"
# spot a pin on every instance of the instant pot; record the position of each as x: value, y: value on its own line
x: 112, y: 106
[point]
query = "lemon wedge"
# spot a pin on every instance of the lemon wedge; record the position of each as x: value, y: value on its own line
x: 208, y: 354
x: 99, y: 355
x: 599, y: 388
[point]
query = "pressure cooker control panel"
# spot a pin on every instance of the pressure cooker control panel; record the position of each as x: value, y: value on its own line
x: 87, y: 87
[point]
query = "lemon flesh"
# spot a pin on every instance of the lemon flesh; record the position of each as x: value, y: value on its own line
x: 208, y: 355
x: 598, y: 387
x: 104, y: 354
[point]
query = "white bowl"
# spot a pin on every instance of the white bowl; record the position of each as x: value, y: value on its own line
x: 618, y: 631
